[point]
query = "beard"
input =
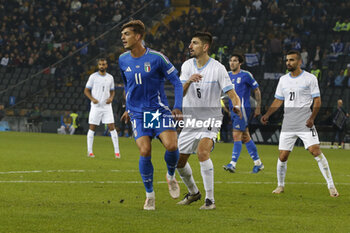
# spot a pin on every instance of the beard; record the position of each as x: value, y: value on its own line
x: 291, y: 69
x: 102, y: 70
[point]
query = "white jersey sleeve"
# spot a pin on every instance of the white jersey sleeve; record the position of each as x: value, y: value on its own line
x: 90, y: 82
x: 279, y: 94
x: 185, y: 72
x: 315, y: 91
x: 112, y: 83
x: 224, y: 79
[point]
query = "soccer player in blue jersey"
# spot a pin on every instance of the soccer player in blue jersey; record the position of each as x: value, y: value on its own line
x: 243, y: 83
x: 144, y: 71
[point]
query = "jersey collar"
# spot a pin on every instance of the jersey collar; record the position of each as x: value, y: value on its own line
x: 195, y: 64
x: 298, y: 75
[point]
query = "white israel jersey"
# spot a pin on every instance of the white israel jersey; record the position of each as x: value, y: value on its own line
x: 202, y: 100
x: 298, y: 94
x: 100, y: 86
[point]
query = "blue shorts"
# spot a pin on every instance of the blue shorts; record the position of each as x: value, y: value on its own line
x: 148, y: 126
x: 240, y: 124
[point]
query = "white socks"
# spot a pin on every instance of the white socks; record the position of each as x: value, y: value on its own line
x: 169, y: 177
x: 114, y: 137
x: 281, y: 172
x: 151, y: 195
x: 207, y: 171
x: 187, y: 178
x: 257, y: 162
x: 233, y: 163
x: 322, y: 164
x: 90, y: 140
x: 324, y: 168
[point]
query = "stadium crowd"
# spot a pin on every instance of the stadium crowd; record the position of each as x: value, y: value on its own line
x: 264, y: 30
x: 40, y: 33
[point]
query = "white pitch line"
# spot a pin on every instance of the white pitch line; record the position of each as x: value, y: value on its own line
x: 157, y: 182
x: 82, y: 171
x: 115, y: 170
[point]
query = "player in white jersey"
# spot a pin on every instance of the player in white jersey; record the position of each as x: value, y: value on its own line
x: 100, y: 90
x: 298, y: 90
x: 203, y: 80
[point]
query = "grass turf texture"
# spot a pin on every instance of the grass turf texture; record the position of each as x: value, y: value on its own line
x: 65, y: 191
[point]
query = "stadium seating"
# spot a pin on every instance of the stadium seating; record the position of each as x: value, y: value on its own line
x: 60, y: 88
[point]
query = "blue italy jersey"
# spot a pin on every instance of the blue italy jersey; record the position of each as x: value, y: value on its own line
x: 243, y: 83
x: 144, y: 79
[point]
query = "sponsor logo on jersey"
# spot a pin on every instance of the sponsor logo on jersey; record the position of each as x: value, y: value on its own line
x: 128, y: 69
x: 147, y: 66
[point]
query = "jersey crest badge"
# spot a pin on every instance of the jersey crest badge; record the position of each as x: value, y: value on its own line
x: 147, y: 66
x: 239, y: 80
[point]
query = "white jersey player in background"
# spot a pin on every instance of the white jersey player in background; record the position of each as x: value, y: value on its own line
x: 203, y: 80
x: 298, y: 90
x: 100, y: 90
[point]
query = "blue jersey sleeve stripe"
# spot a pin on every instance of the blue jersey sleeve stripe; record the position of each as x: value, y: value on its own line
x: 88, y: 87
x: 227, y: 88
x: 183, y: 81
x: 279, y: 97
x: 161, y: 55
x: 112, y: 89
x: 315, y: 95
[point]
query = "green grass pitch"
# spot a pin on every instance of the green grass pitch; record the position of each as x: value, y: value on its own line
x: 48, y: 184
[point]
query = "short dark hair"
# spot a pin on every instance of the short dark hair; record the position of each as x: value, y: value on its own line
x: 239, y: 56
x: 101, y: 59
x: 136, y: 25
x: 205, y: 37
x: 290, y: 52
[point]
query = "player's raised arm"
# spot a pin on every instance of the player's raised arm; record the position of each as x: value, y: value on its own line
x: 193, y: 78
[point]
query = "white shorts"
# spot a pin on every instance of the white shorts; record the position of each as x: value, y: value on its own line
x: 189, y: 139
x: 101, y: 113
x: 288, y: 139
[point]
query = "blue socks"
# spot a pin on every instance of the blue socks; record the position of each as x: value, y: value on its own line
x: 146, y: 168
x: 146, y: 171
x: 253, y: 152
x: 237, y: 147
x: 171, y: 158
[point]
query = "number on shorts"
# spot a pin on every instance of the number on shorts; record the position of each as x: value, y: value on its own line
x: 313, y: 132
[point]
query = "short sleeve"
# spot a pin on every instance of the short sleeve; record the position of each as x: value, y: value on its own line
x: 315, y: 91
x: 279, y: 93
x: 251, y: 81
x: 185, y: 74
x: 112, y: 84
x: 167, y: 68
x: 90, y: 82
x: 224, y: 79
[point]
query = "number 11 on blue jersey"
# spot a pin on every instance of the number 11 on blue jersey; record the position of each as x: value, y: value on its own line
x: 138, y: 79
